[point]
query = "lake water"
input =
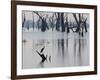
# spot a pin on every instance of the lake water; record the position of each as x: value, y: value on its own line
x: 61, y: 49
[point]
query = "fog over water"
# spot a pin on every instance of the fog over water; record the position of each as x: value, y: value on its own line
x: 55, y: 39
x: 62, y: 50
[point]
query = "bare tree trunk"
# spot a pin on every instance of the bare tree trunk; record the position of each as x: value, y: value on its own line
x: 27, y: 25
x: 23, y: 22
x: 85, y: 26
x: 51, y: 22
x: 78, y: 22
x: 62, y: 22
x: 58, y: 22
x: 44, y: 23
x: 43, y: 26
x: 39, y: 23
x: 33, y: 22
x: 66, y: 24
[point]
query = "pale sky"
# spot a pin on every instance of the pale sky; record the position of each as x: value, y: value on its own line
x: 29, y: 15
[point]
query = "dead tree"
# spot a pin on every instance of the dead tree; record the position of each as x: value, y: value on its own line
x: 85, y: 26
x: 42, y: 55
x: 38, y: 23
x: 27, y: 24
x: 33, y: 22
x: 66, y: 24
x: 81, y: 24
x: 57, y: 15
x: 78, y: 22
x: 44, y: 25
x: 24, y: 19
x: 62, y: 22
x: 51, y: 22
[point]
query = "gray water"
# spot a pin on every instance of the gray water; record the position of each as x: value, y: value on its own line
x: 62, y: 50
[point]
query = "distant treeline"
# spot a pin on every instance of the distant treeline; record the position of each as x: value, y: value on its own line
x: 58, y: 21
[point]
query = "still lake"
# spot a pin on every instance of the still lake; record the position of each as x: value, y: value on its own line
x: 61, y: 49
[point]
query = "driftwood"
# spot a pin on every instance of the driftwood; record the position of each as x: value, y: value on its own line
x: 42, y: 55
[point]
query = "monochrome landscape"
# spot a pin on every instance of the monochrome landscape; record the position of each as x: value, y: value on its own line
x: 54, y: 39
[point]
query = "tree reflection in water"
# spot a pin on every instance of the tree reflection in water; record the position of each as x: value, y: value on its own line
x: 60, y: 53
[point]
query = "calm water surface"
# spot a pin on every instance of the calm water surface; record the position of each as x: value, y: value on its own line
x: 61, y: 49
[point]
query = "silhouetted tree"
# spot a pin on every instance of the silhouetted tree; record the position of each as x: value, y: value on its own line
x: 85, y: 26
x: 33, y: 22
x: 39, y: 23
x: 66, y: 24
x: 51, y: 22
x: 78, y: 22
x: 62, y: 22
x: 24, y: 19
x: 44, y: 23
x: 57, y: 21
x: 81, y: 23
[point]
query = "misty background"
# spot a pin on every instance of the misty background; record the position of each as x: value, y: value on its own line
x: 62, y: 37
